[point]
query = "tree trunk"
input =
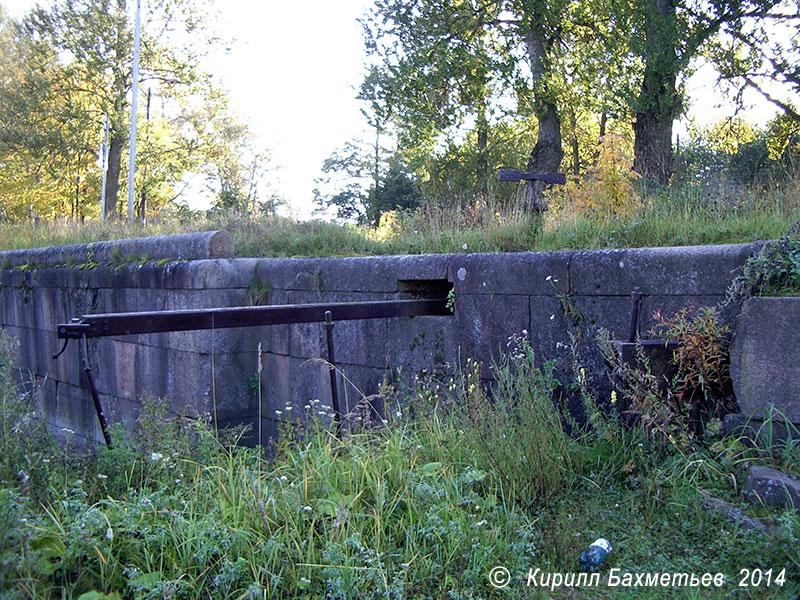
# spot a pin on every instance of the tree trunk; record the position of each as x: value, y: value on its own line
x: 659, y: 102
x: 482, y: 167
x: 548, y: 152
x: 576, y: 150
x: 115, y: 144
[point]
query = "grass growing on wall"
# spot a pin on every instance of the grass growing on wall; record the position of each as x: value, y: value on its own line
x: 675, y: 216
x: 418, y: 508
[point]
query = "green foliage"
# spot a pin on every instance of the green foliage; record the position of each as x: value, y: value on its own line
x: 515, y: 431
x: 774, y: 270
x: 416, y: 509
x: 361, y: 188
x: 641, y: 397
x: 699, y: 394
x: 66, y: 68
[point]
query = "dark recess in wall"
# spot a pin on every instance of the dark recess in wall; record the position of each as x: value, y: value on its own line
x: 423, y: 289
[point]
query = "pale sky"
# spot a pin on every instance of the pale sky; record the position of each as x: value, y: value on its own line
x: 293, y: 73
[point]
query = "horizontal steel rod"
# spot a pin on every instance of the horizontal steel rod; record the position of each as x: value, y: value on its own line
x: 111, y: 324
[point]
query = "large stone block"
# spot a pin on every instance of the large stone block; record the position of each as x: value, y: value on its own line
x: 422, y: 343
x: 608, y: 312
x: 518, y: 273
x: 207, y: 244
x: 485, y: 324
x: 764, y: 357
x: 548, y: 333
x: 364, y: 274
x: 690, y: 270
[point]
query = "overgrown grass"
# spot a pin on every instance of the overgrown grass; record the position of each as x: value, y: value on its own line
x: 421, y: 508
x: 685, y: 215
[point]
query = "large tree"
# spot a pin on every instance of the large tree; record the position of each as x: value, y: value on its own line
x: 66, y: 68
x: 470, y: 64
x: 437, y: 66
x: 92, y: 41
x: 735, y: 36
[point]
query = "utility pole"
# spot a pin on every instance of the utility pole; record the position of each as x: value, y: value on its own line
x: 137, y: 35
x: 104, y: 167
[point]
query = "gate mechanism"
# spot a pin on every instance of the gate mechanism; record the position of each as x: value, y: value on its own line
x: 132, y: 323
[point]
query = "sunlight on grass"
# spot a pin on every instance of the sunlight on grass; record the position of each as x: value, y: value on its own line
x: 672, y: 217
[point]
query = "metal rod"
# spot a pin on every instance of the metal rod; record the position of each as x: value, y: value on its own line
x: 95, y: 397
x: 112, y: 324
x: 637, y: 299
x: 337, y: 415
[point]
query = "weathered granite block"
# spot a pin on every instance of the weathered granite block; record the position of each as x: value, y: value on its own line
x: 772, y: 487
x: 690, y: 270
x: 516, y: 273
x: 421, y: 343
x: 548, y: 332
x: 765, y: 355
x: 485, y: 324
x: 207, y: 244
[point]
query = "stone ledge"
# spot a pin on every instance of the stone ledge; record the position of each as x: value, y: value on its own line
x: 186, y: 246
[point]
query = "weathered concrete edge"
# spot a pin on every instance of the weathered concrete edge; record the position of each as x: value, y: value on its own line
x: 186, y: 246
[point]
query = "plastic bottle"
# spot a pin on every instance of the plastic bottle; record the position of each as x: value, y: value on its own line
x: 595, y: 555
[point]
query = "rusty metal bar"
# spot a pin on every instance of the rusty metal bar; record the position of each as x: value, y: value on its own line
x: 634, y: 325
x: 337, y: 414
x: 113, y: 324
x: 98, y: 406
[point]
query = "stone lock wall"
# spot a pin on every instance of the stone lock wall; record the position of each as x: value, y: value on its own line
x: 496, y: 296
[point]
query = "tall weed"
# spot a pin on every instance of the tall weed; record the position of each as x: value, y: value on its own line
x: 516, y: 429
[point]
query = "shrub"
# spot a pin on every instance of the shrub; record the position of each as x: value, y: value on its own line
x: 608, y: 190
x: 702, y: 386
x: 516, y: 429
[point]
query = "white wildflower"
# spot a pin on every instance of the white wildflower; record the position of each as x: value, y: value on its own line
x: 278, y: 413
x: 464, y: 246
x: 305, y: 580
x: 109, y: 534
x: 156, y: 456
x: 307, y: 508
x: 102, y: 476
